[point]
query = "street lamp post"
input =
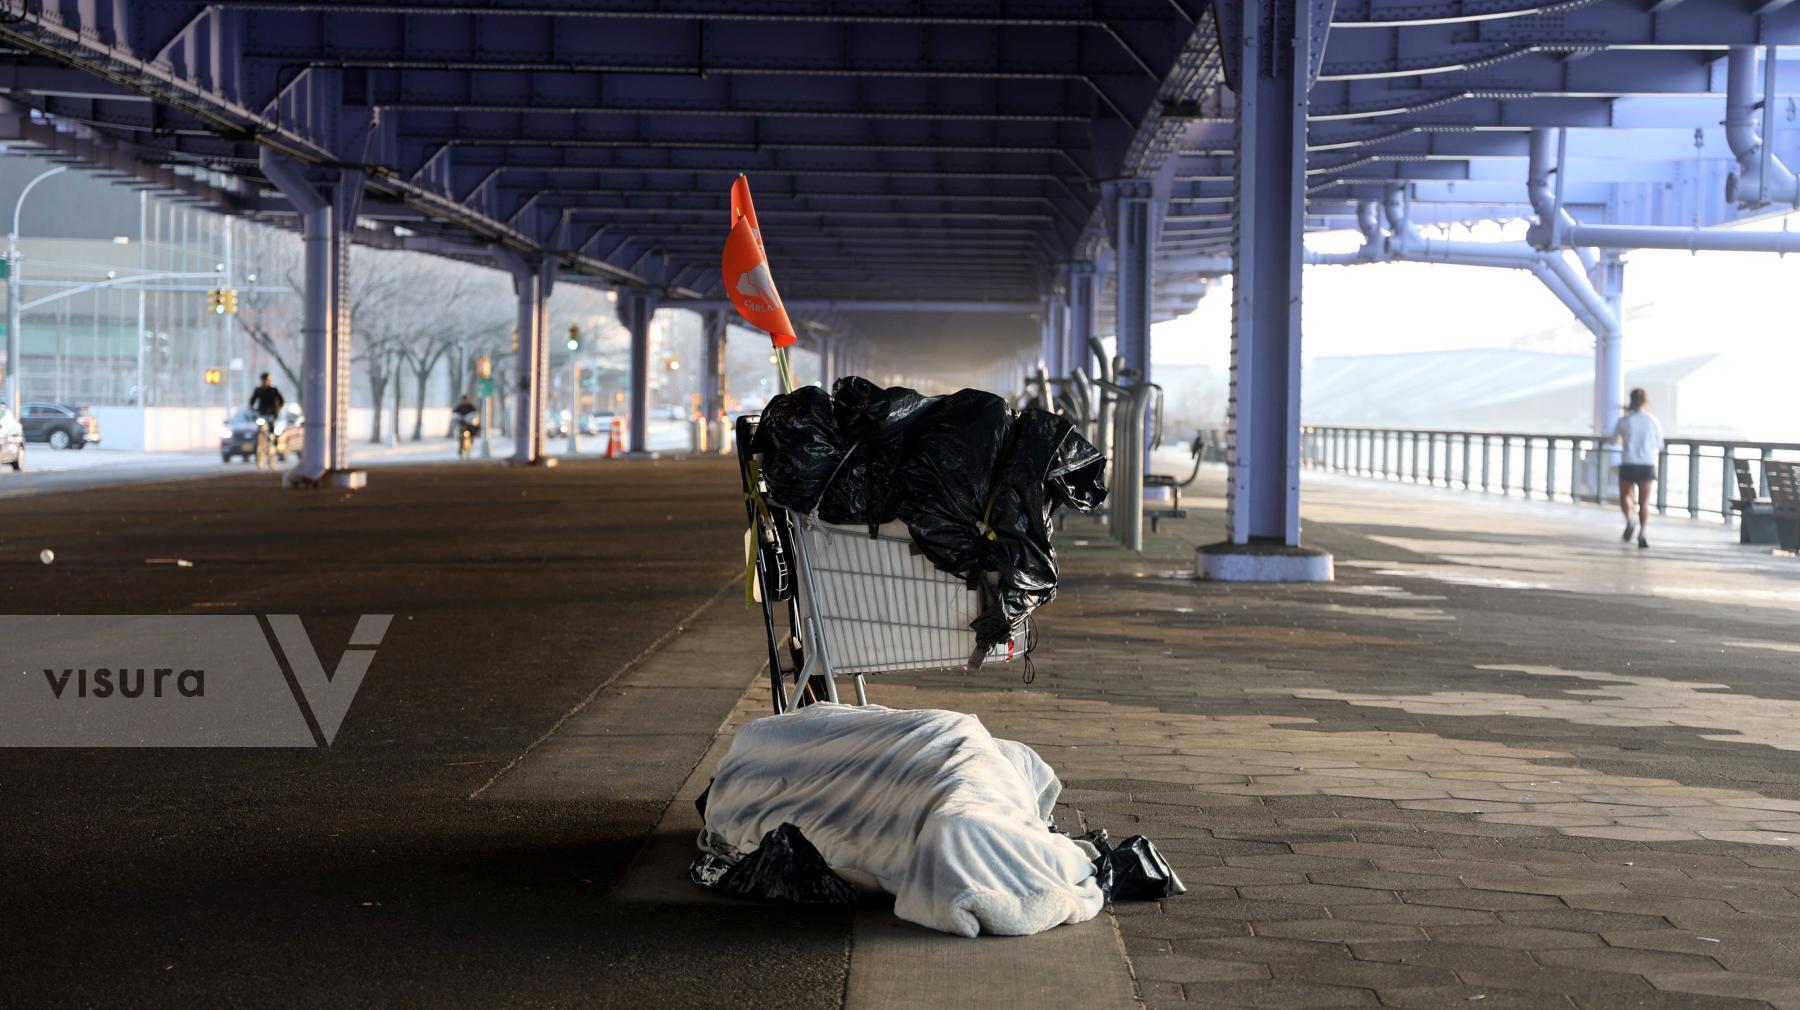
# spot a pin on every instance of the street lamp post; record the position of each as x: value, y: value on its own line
x: 574, y: 390
x: 14, y: 355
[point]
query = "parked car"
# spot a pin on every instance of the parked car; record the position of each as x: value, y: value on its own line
x: 237, y: 436
x: 12, y: 439
x: 62, y: 425
x: 556, y: 424
x: 597, y: 424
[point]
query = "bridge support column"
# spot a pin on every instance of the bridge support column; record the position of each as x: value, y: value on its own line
x: 713, y: 378
x: 1609, y: 371
x: 637, y: 307
x: 1131, y: 217
x: 532, y: 278
x: 1263, y: 495
x: 1083, y: 280
x: 1053, y: 316
x: 327, y: 217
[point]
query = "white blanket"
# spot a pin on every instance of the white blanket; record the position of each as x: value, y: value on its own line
x: 952, y: 822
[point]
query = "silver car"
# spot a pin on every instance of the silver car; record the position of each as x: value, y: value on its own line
x: 12, y: 439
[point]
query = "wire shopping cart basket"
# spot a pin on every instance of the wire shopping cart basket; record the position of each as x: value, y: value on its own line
x: 845, y: 601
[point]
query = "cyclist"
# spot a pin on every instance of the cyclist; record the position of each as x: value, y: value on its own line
x: 266, y: 402
x: 468, y: 424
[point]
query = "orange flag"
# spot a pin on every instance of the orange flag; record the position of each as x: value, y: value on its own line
x: 746, y: 270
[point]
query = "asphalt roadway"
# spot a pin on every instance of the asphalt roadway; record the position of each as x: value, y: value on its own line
x: 363, y: 874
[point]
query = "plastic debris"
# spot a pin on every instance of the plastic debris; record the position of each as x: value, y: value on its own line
x: 47, y: 556
x: 1133, y: 870
x: 177, y: 562
x: 784, y: 867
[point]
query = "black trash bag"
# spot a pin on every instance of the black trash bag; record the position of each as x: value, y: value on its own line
x: 801, y: 448
x: 875, y: 422
x: 784, y: 867
x: 1047, y: 465
x: 982, y: 486
x: 953, y: 453
x: 1133, y: 870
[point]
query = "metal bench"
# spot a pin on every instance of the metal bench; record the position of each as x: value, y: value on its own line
x: 1174, y: 509
x: 1756, y: 523
x: 1784, y: 497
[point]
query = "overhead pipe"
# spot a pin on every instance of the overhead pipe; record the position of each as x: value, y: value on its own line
x: 1557, y: 229
x: 1568, y: 282
x: 1554, y: 220
x: 1760, y: 178
x: 1368, y: 222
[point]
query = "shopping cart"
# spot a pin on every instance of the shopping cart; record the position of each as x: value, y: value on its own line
x: 850, y: 600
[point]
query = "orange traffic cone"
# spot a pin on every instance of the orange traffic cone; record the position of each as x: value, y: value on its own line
x: 615, y: 438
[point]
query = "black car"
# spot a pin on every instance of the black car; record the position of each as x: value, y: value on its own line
x: 237, y: 436
x: 60, y: 424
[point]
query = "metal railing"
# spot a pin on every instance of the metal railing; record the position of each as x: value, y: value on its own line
x: 1693, y: 474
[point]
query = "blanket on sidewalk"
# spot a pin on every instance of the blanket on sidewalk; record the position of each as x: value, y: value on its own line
x: 951, y: 821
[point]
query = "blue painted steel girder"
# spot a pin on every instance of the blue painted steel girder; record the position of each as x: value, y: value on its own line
x: 941, y: 107
x: 1605, y: 74
x: 1531, y: 46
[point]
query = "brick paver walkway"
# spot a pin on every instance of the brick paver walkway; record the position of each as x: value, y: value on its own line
x: 1504, y: 761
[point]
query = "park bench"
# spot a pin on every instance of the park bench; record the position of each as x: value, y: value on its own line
x: 1784, y: 497
x: 1756, y: 523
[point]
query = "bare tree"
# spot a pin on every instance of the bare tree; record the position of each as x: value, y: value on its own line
x: 380, y: 307
x: 270, y: 311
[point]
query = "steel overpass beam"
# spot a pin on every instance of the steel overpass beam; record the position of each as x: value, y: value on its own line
x: 533, y: 278
x: 1083, y: 293
x: 1273, y: 42
x: 637, y: 307
x: 713, y: 377
x: 328, y: 217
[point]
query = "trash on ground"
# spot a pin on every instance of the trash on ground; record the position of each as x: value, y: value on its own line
x: 1132, y: 870
x: 47, y: 556
x: 177, y: 562
x: 784, y: 867
x: 976, y: 482
x: 927, y: 804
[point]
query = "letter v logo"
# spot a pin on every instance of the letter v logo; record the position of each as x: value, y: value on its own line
x: 329, y: 695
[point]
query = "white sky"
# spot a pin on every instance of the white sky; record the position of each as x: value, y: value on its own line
x: 1744, y: 306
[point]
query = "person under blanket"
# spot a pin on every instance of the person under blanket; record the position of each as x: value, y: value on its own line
x: 951, y: 821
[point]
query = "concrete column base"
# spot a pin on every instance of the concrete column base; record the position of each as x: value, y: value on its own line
x: 1261, y: 561
x: 544, y: 461
x: 641, y: 454
x: 343, y: 480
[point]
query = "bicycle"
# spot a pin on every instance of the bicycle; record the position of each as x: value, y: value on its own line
x: 265, y: 445
x: 465, y: 439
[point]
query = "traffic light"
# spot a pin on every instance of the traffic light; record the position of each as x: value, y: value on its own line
x: 215, y: 376
x: 230, y: 301
x: 484, y: 367
x: 222, y: 301
x: 574, y: 338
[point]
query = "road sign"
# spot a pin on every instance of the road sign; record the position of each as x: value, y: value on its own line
x: 485, y: 385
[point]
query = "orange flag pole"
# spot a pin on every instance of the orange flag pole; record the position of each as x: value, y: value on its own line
x: 748, y: 283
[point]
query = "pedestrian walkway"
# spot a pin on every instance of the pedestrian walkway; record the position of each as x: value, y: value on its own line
x: 1504, y: 761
